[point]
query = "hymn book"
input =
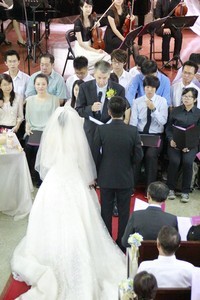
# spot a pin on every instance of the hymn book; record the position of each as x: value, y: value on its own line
x: 186, y: 137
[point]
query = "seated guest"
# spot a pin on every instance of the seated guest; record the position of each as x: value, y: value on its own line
x: 184, y: 116
x: 149, y: 221
x: 136, y: 88
x: 39, y: 108
x: 149, y: 114
x: 189, y: 70
x: 195, y: 57
x: 118, y: 62
x: 56, y: 84
x: 80, y: 65
x: 11, y: 105
x: 20, y: 79
x: 169, y: 271
x: 145, y: 286
x: 138, y: 63
x: 93, y: 98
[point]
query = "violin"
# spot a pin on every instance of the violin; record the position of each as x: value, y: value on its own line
x: 181, y: 9
x: 97, y: 36
x: 128, y: 23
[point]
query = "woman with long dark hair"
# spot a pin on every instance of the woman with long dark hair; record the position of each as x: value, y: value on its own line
x: 75, y: 91
x: 11, y: 105
x: 114, y: 32
x: 82, y: 28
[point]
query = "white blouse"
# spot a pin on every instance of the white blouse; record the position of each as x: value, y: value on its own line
x: 10, y: 115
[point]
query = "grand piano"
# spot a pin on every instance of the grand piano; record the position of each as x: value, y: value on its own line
x: 54, y: 9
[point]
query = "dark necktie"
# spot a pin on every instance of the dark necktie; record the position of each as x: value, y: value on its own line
x: 98, y: 113
x: 148, y: 123
x: 104, y: 113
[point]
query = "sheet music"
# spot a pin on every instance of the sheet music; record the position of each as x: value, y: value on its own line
x: 99, y: 122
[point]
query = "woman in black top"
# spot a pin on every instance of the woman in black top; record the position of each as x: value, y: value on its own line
x: 183, y: 116
x: 82, y: 28
x: 114, y: 32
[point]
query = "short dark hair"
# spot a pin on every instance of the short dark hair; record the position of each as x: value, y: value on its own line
x: 120, y: 55
x: 48, y: 55
x: 140, y: 59
x: 41, y: 75
x: 145, y: 286
x: 80, y: 62
x: 158, y: 191
x: 117, y: 106
x: 10, y: 53
x: 190, y: 63
x: 195, y: 57
x: 149, y: 67
x: 169, y: 239
x: 192, y: 90
x: 151, y: 80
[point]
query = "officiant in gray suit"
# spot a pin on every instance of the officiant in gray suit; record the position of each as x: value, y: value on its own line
x: 93, y: 98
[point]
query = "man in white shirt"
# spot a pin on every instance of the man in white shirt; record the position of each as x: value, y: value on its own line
x: 169, y: 271
x: 118, y: 62
x: 20, y: 79
x: 149, y: 114
x: 195, y: 57
x: 80, y: 65
x: 189, y: 70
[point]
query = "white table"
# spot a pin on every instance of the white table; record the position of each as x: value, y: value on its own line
x: 15, y: 182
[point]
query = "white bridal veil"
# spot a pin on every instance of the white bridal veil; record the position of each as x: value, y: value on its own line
x: 65, y: 145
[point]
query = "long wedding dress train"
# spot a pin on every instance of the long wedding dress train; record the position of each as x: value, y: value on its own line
x: 67, y: 253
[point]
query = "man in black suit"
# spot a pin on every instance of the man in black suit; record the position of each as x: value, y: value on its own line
x: 148, y: 222
x: 117, y: 147
x: 163, y: 8
x: 93, y: 98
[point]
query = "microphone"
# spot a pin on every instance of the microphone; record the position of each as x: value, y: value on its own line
x: 99, y: 100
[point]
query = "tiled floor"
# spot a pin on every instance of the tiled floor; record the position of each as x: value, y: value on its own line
x: 10, y: 231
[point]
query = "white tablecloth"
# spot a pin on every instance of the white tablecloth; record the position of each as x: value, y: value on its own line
x: 15, y: 183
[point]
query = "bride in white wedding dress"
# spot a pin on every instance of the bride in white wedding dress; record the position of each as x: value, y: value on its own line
x: 67, y: 253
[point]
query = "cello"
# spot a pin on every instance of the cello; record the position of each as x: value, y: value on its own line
x: 97, y: 35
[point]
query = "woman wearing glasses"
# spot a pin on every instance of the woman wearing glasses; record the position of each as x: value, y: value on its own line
x: 184, y: 116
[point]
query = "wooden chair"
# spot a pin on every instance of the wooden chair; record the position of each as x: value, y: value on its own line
x: 173, y: 294
x: 70, y: 37
x: 188, y: 251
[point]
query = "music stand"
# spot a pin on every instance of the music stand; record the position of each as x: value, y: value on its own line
x: 151, y: 28
x: 179, y: 23
x: 128, y: 42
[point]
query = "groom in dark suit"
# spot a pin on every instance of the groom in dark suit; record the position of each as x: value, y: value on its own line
x: 149, y: 221
x: 93, y: 98
x: 117, y: 147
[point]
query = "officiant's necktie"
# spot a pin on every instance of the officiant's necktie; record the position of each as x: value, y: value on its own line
x: 148, y: 123
x: 98, y: 113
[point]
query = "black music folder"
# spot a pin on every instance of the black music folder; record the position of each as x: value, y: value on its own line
x: 34, y: 139
x: 150, y: 140
x: 186, y: 137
